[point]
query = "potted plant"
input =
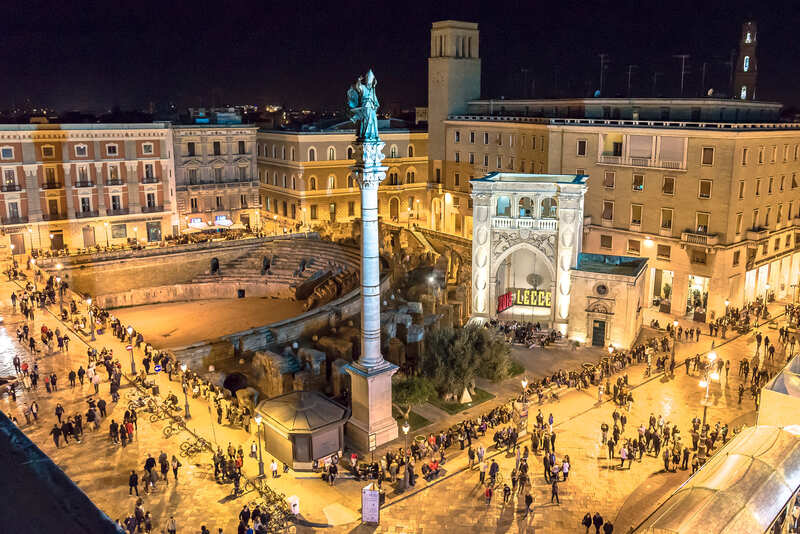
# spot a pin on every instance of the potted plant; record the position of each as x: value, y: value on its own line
x: 665, y: 305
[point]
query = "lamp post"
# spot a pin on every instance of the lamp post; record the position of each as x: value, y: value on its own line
x: 130, y: 344
x: 185, y: 389
x: 106, y: 225
x: 706, y: 382
x: 406, y: 427
x: 51, y: 240
x: 260, y: 459
x: 30, y: 238
x: 11, y: 246
x: 59, y: 267
x: 91, y: 316
x: 524, y: 389
x: 675, y: 340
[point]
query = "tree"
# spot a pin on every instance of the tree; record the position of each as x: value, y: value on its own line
x: 410, y: 391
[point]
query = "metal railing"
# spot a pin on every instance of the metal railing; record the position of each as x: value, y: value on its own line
x: 150, y: 179
x: 119, y: 211
x: 85, y: 214
x: 15, y: 220
x: 11, y: 187
x: 641, y: 162
x: 525, y: 222
x: 152, y: 209
x: 699, y: 239
x: 52, y: 185
x: 83, y: 184
x: 53, y: 216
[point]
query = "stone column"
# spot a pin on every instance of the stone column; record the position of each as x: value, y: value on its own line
x: 371, y: 423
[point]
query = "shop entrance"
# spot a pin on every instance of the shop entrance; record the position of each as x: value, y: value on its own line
x: 598, y: 333
x: 697, y: 298
x: 662, y: 290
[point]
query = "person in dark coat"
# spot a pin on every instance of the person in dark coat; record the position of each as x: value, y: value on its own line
x: 133, y: 484
x: 56, y: 433
x: 598, y: 522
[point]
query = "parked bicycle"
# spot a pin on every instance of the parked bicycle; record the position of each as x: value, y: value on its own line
x: 190, y: 448
x: 173, y: 428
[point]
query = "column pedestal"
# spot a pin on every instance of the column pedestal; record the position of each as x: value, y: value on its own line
x: 371, y: 423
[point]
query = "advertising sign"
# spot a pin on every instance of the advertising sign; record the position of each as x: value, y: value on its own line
x: 370, y: 505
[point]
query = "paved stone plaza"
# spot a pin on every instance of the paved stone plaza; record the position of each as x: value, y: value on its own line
x: 454, y: 502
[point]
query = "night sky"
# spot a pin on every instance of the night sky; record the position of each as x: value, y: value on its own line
x: 90, y: 56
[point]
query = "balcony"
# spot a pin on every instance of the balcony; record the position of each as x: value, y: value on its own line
x: 152, y: 209
x: 151, y: 180
x: 54, y: 216
x: 79, y: 185
x: 15, y: 220
x: 86, y: 214
x: 641, y: 162
x: 665, y: 231
x: 507, y: 223
x: 114, y: 181
x: 757, y: 233
x: 52, y: 185
x: 120, y: 211
x: 695, y: 238
x: 8, y: 188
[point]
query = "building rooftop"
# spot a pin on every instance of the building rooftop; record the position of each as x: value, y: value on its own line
x: 83, y: 126
x: 302, y: 411
x: 607, y: 264
x: 533, y: 178
x: 333, y: 127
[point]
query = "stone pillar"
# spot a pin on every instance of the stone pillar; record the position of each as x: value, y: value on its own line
x: 371, y: 423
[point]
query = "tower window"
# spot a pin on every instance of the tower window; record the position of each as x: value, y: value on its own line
x: 746, y: 64
x: 748, y: 38
x: 743, y: 93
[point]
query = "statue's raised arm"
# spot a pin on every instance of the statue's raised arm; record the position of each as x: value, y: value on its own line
x: 363, y: 104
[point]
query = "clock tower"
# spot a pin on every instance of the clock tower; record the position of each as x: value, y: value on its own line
x: 454, y: 78
x: 746, y: 71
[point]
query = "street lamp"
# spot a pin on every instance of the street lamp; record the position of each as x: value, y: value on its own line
x: 260, y: 459
x: 706, y: 382
x: 406, y: 427
x: 524, y: 388
x: 130, y: 344
x: 766, y: 294
x: 185, y: 389
x: 106, y: 225
x: 91, y: 316
x: 30, y: 237
x: 408, y: 218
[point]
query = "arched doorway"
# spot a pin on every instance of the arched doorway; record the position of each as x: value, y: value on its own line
x: 394, y: 209
x: 525, y: 286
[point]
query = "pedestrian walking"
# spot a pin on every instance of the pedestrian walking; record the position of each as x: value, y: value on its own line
x: 554, y: 492
x: 133, y: 483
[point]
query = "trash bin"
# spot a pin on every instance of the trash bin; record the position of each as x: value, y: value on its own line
x: 294, y: 504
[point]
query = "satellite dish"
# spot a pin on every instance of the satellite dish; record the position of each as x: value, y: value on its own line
x: 597, y: 93
x: 711, y: 91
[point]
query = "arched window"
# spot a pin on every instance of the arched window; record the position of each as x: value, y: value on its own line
x: 525, y: 207
x: 393, y: 178
x: 274, y: 151
x: 284, y: 181
x: 283, y: 152
x: 312, y: 154
x: 349, y: 152
x: 746, y: 64
x: 410, y: 151
x: 351, y: 183
x: 294, y: 183
x: 549, y: 208
x: 275, y: 179
x: 312, y: 184
x: 743, y: 93
x: 393, y: 151
x: 331, y: 182
x: 504, y: 207
x: 331, y: 153
x: 410, y: 178
x: 291, y: 153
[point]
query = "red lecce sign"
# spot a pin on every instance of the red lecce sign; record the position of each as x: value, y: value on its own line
x: 505, y: 301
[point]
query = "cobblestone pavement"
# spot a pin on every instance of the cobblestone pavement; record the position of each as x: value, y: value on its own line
x: 456, y: 501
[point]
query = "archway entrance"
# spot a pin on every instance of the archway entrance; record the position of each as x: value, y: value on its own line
x: 394, y: 209
x: 525, y: 287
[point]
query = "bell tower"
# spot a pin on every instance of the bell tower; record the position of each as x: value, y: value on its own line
x: 746, y: 71
x: 454, y: 78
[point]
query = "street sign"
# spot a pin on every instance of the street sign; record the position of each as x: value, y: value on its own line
x: 157, y: 368
x: 129, y: 347
x: 373, y: 442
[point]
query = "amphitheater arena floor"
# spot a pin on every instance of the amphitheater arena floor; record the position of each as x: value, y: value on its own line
x: 178, y: 324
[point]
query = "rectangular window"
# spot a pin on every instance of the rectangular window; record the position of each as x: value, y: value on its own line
x: 243, y: 200
x: 702, y: 219
x: 783, y: 183
x: 486, y: 160
x: 608, y: 210
x: 499, y: 162
x: 666, y: 218
x: 581, y: 147
x: 777, y: 244
x: 150, y: 200
x: 758, y: 186
x: 765, y: 249
x: 217, y: 146
x: 147, y: 148
x: 351, y: 209
x: 499, y: 139
x: 739, y: 220
x: 636, y: 214
x: 634, y: 246
x: 638, y: 182
x: 789, y: 211
x: 533, y: 142
x: 708, y: 155
x: 485, y: 138
x: 112, y: 150
x: 219, y: 203
x: 241, y: 147
x: 663, y: 252
x: 779, y: 215
x: 761, y: 155
x: 794, y: 180
x: 472, y: 158
x: 48, y: 152
x: 773, y: 154
x: 86, y: 204
x: 119, y: 231
x: 438, y: 176
x: 457, y: 136
x: 609, y: 179
x: 217, y: 173
x: 313, y: 211
x: 457, y: 180
x: 668, y: 185
x: 605, y: 241
x: 190, y: 149
x: 705, y: 189
x: 458, y: 157
x: 736, y: 256
x: 332, y: 211
x: 472, y: 138
x: 80, y: 151
x: 745, y: 153
x: 7, y: 152
x: 193, y: 203
x: 755, y: 219
x: 788, y: 241
x: 148, y: 170
x: 769, y: 186
x: 767, y: 216
x: 741, y: 189
x: 580, y: 171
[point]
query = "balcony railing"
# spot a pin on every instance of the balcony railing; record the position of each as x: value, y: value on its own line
x: 53, y: 216
x: 525, y: 222
x: 85, y: 214
x: 114, y: 181
x: 696, y: 238
x: 15, y: 220
x: 757, y: 233
x: 84, y: 184
x: 120, y: 211
x: 152, y: 209
x: 642, y: 162
x: 52, y: 185
x: 7, y: 188
x: 151, y: 180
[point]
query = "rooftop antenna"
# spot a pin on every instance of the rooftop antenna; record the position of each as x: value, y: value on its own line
x: 683, y: 58
x: 603, y: 67
x: 630, y: 72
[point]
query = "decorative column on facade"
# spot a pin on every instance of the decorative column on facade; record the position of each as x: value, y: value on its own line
x: 570, y: 236
x: 371, y: 423
x: 69, y: 191
x: 32, y: 187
